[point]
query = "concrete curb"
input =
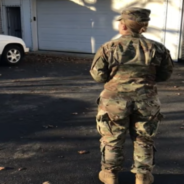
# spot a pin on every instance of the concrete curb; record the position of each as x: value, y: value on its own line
x: 69, y: 54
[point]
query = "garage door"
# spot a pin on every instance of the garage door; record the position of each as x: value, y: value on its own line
x: 74, y: 26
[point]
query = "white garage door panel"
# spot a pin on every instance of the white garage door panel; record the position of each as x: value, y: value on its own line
x: 66, y: 26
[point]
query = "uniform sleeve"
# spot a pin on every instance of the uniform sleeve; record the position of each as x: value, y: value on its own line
x: 99, y: 68
x: 165, y: 69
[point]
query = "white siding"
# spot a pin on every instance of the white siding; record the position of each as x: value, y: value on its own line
x: 34, y: 29
x: 11, y: 2
x: 67, y: 26
x: 0, y: 19
x: 182, y: 38
x: 173, y: 27
x: 26, y: 22
x: 82, y: 26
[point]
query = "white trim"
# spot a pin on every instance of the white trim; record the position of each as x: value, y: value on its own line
x: 34, y: 29
x: 165, y: 21
x: 180, y: 27
x: 182, y: 35
x: 22, y: 19
x: 2, y: 19
x: 173, y: 27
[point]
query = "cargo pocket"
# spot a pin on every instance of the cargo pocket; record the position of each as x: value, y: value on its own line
x: 111, y: 117
x: 104, y: 124
x: 147, y: 116
x: 116, y: 109
x: 152, y: 124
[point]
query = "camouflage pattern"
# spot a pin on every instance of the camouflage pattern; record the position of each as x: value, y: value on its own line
x: 129, y: 66
x: 135, y: 14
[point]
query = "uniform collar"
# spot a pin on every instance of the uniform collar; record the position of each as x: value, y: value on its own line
x: 136, y: 35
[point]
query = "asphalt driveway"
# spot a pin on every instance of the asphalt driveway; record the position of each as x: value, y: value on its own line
x: 47, y: 117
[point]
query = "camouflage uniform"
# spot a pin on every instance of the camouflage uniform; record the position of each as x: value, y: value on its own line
x: 130, y: 67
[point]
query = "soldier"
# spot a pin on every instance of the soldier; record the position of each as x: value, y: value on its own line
x: 130, y: 67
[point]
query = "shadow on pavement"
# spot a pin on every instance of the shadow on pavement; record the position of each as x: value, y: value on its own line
x: 129, y: 178
x: 23, y: 114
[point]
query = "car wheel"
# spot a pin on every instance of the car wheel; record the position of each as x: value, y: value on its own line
x: 12, y: 55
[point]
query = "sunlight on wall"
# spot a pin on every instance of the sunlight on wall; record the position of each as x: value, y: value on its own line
x: 93, y: 48
x: 157, y: 16
x: 82, y: 3
x: 90, y: 1
x: 165, y: 21
x: 173, y: 27
x: 157, y: 23
x: 118, y: 5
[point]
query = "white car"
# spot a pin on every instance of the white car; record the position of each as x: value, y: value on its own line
x: 12, y: 50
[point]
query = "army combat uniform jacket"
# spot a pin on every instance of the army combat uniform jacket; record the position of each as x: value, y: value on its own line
x: 129, y: 64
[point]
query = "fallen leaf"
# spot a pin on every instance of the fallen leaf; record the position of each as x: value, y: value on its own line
x: 175, y: 86
x: 178, y: 94
x: 22, y: 168
x: 75, y: 113
x: 51, y: 126
x: 61, y: 156
x: 82, y: 152
x: 46, y: 182
x: 45, y: 126
x: 2, y: 168
x: 48, y: 126
x: 181, y: 127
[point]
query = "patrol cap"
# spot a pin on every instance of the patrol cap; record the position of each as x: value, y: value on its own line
x: 135, y: 14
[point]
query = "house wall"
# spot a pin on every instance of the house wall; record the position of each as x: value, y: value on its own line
x: 94, y: 23
x: 182, y: 38
x: 0, y: 19
x: 182, y: 49
x: 165, y: 25
x: 0, y: 22
x: 173, y: 27
x: 25, y: 18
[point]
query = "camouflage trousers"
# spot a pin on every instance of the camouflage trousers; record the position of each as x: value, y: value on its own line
x: 116, y: 115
